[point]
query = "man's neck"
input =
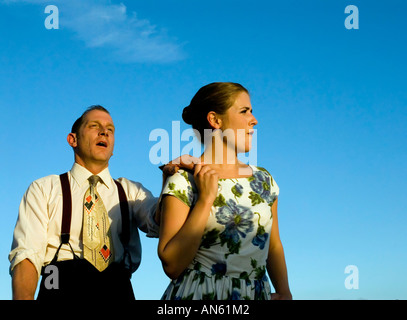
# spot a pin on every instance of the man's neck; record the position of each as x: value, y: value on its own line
x: 95, y: 168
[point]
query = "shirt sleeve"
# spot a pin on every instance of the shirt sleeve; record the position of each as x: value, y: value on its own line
x: 181, y: 185
x: 30, y: 233
x: 142, y: 206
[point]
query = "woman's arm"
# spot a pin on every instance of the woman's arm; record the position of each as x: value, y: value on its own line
x: 276, y: 266
x: 181, y: 228
x: 184, y: 162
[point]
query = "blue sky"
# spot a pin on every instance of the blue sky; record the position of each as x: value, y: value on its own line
x: 331, y: 105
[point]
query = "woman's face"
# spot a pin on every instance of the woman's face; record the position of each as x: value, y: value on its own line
x: 239, y: 120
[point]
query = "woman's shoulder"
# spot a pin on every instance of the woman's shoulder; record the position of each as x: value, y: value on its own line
x: 182, y: 179
x: 260, y: 169
x: 181, y: 185
x: 257, y: 170
x: 264, y: 182
x: 181, y: 176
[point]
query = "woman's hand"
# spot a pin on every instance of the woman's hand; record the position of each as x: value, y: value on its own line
x: 278, y: 296
x: 206, y: 180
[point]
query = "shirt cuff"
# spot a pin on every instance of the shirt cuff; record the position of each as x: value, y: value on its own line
x: 16, y: 257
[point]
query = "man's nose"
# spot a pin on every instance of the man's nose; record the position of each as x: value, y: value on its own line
x: 103, y: 131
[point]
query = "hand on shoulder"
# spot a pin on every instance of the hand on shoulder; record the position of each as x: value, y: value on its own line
x: 206, y: 180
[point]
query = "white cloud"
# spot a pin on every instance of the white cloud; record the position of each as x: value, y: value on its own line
x: 103, y: 24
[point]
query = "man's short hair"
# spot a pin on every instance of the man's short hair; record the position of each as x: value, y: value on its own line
x: 78, y: 123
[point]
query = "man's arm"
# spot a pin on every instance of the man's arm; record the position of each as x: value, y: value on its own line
x: 24, y: 281
x: 30, y: 239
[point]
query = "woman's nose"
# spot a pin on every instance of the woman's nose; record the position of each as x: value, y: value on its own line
x: 253, y: 121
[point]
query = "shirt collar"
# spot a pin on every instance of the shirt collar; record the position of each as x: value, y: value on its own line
x: 81, y: 175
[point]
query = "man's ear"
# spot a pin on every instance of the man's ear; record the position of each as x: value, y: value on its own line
x: 214, y: 120
x: 72, y: 140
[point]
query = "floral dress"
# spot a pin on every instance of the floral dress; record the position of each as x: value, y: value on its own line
x: 230, y: 263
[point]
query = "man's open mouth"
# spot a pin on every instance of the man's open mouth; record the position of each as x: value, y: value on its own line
x: 102, y: 144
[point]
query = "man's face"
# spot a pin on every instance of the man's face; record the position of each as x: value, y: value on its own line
x: 95, y: 140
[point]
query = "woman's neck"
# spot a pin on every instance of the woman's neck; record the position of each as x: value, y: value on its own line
x: 223, y: 158
x: 219, y: 154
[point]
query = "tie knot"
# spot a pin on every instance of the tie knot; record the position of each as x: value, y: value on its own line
x: 93, y: 180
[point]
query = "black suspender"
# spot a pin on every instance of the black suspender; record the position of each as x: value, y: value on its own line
x: 124, y: 209
x: 67, y: 208
x: 125, y: 213
x: 67, y: 214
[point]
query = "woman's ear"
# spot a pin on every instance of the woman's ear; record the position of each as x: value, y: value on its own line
x: 72, y: 140
x: 214, y: 120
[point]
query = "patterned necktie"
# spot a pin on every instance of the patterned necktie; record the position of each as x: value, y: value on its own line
x: 97, y: 240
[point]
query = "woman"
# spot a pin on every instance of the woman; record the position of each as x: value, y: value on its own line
x: 219, y: 231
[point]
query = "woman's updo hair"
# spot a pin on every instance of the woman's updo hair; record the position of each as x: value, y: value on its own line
x: 217, y: 97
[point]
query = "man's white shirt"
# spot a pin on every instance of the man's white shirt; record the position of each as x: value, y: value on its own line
x: 37, y: 234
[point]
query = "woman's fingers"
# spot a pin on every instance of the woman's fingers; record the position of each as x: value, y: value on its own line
x: 206, y: 180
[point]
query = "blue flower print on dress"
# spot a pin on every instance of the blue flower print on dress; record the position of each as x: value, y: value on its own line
x: 231, y: 262
x: 261, y: 235
x: 237, y: 190
x: 219, y: 270
x: 260, y: 185
x: 235, y: 295
x: 237, y: 220
x: 259, y: 289
x: 260, y: 240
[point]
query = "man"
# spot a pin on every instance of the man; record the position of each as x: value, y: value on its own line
x: 94, y: 261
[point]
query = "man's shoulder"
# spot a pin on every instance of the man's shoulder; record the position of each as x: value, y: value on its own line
x: 129, y: 184
x: 44, y: 186
x: 124, y: 180
x: 132, y: 188
x: 46, y: 180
